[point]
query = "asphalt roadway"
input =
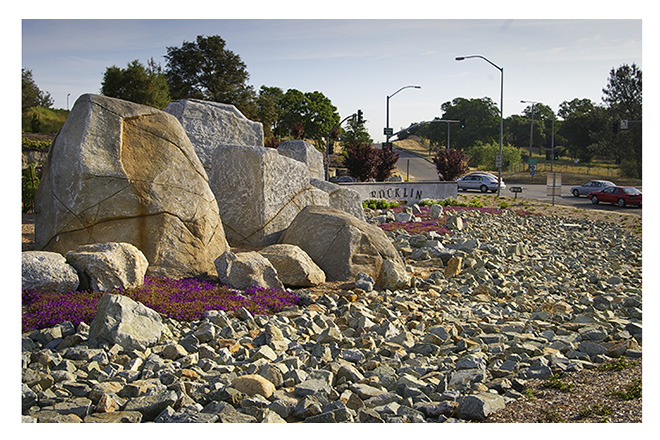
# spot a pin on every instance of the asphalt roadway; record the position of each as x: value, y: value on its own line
x: 414, y: 167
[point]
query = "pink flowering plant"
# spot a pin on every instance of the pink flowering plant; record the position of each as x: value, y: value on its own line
x: 184, y: 299
x: 438, y: 225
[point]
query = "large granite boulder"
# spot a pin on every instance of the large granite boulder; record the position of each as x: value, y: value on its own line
x: 48, y: 271
x: 306, y: 153
x: 259, y: 192
x: 294, y: 267
x: 211, y: 125
x: 124, y: 172
x: 342, y: 198
x: 108, y: 266
x: 123, y: 321
x: 246, y: 269
x: 340, y: 244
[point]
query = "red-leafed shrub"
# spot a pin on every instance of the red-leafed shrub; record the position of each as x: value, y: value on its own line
x: 450, y: 164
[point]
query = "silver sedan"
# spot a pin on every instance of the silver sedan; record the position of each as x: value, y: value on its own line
x: 590, y: 186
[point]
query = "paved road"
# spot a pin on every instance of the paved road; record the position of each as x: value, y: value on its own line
x: 538, y: 192
x: 415, y: 166
x: 418, y: 168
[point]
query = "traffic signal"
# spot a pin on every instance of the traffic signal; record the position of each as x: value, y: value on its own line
x: 463, y: 123
x: 360, y: 119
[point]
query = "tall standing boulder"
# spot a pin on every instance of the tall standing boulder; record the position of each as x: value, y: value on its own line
x: 259, y: 192
x: 340, y: 244
x: 212, y: 125
x: 124, y: 172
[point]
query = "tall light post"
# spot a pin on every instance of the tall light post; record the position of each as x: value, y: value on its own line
x: 531, y: 129
x: 388, y: 130
x: 501, y: 69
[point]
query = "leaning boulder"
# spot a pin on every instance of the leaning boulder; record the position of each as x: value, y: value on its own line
x: 124, y: 172
x: 294, y: 267
x: 306, y: 153
x: 48, y: 271
x: 246, y: 269
x: 340, y: 244
x: 212, y: 125
x: 108, y: 266
x: 123, y: 321
x: 259, y: 192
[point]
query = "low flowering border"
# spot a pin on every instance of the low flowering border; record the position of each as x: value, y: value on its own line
x: 185, y: 299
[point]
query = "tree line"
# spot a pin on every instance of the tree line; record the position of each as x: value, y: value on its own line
x: 583, y: 130
x: 205, y: 69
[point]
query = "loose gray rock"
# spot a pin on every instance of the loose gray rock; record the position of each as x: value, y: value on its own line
x: 127, y: 323
x: 48, y: 271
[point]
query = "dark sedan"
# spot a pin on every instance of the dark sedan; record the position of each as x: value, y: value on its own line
x: 619, y: 195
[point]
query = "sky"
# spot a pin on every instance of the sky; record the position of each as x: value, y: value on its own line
x: 357, y: 62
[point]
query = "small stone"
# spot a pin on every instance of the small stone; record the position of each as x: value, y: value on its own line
x: 252, y: 384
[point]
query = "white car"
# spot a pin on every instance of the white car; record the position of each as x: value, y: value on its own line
x: 483, y: 182
x: 589, y: 187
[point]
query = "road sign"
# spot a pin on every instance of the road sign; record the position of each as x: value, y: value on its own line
x: 388, y: 131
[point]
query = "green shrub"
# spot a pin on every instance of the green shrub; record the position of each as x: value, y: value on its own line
x: 30, y: 182
x: 35, y: 145
x: 483, y: 155
x: 632, y: 391
x: 43, y: 120
x: 617, y: 365
x: 556, y: 383
x: 380, y: 204
x: 475, y: 203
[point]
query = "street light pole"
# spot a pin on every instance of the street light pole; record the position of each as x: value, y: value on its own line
x: 501, y: 69
x: 531, y: 128
x: 387, y: 110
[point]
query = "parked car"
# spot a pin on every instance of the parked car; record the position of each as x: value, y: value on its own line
x: 619, y: 195
x: 590, y: 186
x: 483, y: 182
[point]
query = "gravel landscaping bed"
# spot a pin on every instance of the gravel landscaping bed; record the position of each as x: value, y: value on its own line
x: 509, y: 318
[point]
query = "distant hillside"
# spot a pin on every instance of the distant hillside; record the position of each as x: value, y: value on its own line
x: 43, y: 120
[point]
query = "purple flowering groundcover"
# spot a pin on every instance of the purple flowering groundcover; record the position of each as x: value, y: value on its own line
x: 184, y: 299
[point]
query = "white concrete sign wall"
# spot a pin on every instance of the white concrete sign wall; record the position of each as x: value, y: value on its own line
x: 412, y: 192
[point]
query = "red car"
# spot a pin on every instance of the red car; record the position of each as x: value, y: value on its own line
x: 619, y: 195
